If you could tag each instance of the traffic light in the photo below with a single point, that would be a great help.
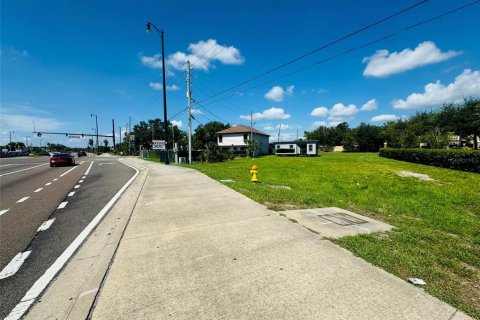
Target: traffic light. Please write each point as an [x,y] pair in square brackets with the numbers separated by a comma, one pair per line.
[39,134]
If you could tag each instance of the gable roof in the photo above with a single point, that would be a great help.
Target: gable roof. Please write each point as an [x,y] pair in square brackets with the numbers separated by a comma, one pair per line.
[242,129]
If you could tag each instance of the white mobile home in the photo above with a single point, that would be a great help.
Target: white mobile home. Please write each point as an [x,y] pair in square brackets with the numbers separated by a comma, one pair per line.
[297,148]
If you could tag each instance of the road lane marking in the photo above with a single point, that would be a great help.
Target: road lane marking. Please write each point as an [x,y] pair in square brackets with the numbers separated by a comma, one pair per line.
[71,194]
[55,179]
[6,174]
[62,205]
[80,181]
[23,199]
[45,279]
[14,265]
[47,224]
[101,164]
[77,186]
[4,211]
[84,177]
[48,183]
[66,172]
[38,190]
[88,170]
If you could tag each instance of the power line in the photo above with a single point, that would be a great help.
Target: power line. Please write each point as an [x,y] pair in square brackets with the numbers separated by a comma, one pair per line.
[319,48]
[350,50]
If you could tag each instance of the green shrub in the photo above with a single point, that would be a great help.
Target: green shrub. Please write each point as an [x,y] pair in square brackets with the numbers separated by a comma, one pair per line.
[465,160]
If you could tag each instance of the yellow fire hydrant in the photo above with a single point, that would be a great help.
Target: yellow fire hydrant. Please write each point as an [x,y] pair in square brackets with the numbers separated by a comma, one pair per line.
[253,172]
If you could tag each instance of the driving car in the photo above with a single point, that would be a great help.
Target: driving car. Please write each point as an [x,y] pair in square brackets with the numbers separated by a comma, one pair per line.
[59,159]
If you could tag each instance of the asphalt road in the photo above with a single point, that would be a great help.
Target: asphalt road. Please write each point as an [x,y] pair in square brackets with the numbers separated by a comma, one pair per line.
[33,194]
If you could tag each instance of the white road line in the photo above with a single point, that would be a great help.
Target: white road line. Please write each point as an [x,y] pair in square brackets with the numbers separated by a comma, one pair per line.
[14,265]
[4,211]
[23,199]
[38,190]
[46,225]
[48,183]
[6,174]
[71,194]
[80,181]
[89,167]
[45,279]
[66,172]
[55,179]
[82,162]
[84,177]
[62,205]
[77,186]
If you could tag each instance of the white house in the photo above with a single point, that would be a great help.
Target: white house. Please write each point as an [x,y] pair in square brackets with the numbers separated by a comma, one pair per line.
[297,148]
[233,139]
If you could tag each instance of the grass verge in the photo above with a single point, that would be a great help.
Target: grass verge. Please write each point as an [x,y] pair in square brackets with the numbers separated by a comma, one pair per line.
[437,235]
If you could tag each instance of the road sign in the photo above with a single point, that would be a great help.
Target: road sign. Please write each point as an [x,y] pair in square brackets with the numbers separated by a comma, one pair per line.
[74,136]
[158,144]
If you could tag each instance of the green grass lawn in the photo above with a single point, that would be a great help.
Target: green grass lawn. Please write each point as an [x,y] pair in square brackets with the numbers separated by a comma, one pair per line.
[437,235]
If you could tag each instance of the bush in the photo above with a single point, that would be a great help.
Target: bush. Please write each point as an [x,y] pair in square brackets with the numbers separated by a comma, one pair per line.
[465,160]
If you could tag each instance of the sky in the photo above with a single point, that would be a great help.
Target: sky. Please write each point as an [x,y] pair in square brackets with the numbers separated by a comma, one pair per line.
[293,65]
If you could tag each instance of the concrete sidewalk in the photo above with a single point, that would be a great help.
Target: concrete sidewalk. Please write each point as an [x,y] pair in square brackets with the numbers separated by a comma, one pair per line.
[195,249]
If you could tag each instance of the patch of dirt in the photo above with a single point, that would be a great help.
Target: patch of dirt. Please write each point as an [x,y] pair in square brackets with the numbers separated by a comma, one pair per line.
[282,206]
[420,176]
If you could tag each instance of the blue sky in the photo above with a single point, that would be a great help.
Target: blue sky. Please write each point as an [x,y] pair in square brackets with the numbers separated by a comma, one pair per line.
[63,60]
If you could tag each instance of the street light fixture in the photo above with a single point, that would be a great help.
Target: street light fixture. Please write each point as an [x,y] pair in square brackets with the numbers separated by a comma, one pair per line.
[148,28]
[96,132]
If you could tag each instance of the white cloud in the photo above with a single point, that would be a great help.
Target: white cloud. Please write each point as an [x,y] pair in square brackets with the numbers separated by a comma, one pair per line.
[277,93]
[268,128]
[369,106]
[383,64]
[177,123]
[154,62]
[384,118]
[340,110]
[20,122]
[271,114]
[196,111]
[159,86]
[319,112]
[466,84]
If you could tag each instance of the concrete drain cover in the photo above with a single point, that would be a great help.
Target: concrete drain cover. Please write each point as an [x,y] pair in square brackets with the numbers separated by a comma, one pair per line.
[342,219]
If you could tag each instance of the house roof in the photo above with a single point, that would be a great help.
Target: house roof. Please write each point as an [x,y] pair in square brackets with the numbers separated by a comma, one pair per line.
[298,142]
[242,129]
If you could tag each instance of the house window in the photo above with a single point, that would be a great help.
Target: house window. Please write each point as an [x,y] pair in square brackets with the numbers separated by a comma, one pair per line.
[310,147]
[291,146]
[245,137]
[277,146]
[220,138]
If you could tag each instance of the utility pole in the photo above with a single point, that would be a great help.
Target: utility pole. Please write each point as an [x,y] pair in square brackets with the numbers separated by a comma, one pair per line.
[129,134]
[120,141]
[113,135]
[11,135]
[189,103]
[279,126]
[251,134]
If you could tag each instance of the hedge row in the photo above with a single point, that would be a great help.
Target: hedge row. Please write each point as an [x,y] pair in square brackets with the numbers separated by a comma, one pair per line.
[465,160]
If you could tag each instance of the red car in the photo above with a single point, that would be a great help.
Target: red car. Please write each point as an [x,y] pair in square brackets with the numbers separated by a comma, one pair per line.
[59,159]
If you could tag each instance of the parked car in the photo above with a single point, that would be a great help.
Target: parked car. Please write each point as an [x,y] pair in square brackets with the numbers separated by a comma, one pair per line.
[81,154]
[59,159]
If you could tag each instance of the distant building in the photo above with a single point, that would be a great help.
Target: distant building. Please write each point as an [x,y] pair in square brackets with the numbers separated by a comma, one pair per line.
[297,148]
[233,139]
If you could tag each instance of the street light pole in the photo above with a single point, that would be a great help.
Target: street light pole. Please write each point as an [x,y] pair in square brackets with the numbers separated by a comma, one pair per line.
[148,29]
[96,131]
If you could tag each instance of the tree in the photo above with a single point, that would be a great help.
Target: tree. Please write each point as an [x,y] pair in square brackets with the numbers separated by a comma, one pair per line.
[105,142]
[368,137]
[252,146]
[207,133]
[90,143]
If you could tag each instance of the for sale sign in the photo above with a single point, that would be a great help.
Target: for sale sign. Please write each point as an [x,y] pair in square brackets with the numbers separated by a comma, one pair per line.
[158,144]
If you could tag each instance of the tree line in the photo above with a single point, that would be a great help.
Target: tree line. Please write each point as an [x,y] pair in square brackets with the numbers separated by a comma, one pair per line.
[430,129]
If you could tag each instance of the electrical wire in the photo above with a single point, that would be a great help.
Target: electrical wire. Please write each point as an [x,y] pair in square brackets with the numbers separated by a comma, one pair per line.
[329,44]
[415,25]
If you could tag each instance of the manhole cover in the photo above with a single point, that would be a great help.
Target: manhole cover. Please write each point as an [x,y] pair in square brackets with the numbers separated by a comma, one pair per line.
[342,219]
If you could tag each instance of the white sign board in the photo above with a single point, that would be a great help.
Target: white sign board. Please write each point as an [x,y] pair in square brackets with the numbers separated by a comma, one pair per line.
[74,136]
[158,144]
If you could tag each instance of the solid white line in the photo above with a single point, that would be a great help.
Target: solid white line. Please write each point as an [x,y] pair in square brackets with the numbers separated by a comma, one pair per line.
[77,186]
[62,205]
[46,225]
[88,170]
[66,172]
[82,162]
[38,190]
[14,265]
[48,183]
[45,279]
[80,181]
[23,199]
[71,193]
[6,174]
[4,211]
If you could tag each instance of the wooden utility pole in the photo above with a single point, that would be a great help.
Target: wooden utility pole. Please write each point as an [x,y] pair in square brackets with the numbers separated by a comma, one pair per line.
[189,104]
